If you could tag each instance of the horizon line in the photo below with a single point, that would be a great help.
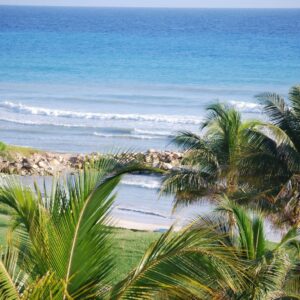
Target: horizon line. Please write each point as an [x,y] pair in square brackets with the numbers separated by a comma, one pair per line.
[154,7]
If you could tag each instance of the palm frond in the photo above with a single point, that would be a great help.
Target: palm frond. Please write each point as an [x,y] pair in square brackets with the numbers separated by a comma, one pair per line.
[291,239]
[193,262]
[292,283]
[281,115]
[188,140]
[244,225]
[294,97]
[47,288]
[275,133]
[270,276]
[12,279]
[191,185]
[67,229]
[22,202]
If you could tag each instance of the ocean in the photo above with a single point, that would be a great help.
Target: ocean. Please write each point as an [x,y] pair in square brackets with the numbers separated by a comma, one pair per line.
[112,79]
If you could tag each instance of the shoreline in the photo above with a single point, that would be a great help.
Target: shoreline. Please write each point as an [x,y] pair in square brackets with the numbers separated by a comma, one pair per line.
[24,161]
[35,163]
[140,226]
[30,163]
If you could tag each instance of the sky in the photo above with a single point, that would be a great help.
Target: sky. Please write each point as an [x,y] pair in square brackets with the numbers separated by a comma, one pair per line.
[162,3]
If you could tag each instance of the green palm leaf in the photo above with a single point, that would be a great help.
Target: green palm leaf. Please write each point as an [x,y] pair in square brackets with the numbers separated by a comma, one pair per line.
[47,288]
[193,263]
[281,115]
[12,280]
[294,97]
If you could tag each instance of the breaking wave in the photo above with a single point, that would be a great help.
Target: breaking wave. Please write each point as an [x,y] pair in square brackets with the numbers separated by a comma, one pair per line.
[247,107]
[41,111]
[147,183]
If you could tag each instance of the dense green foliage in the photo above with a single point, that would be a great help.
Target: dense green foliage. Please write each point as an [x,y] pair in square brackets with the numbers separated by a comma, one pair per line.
[210,165]
[255,162]
[272,160]
[62,247]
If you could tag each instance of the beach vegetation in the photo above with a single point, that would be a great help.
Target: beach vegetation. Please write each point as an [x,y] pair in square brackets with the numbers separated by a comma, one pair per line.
[60,242]
[60,245]
[255,162]
[271,163]
[10,152]
[210,164]
[2,146]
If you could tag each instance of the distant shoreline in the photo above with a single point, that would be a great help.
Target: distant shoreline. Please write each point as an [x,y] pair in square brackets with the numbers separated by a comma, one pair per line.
[32,162]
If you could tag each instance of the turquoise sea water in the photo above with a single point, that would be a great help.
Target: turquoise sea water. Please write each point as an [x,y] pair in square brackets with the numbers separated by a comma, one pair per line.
[87,79]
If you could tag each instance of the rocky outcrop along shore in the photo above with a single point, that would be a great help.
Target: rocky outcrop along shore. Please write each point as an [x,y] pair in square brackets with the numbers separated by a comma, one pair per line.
[50,163]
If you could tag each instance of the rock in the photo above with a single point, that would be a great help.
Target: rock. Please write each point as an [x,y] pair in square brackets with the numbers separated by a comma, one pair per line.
[168,159]
[148,159]
[176,155]
[18,167]
[50,172]
[23,172]
[11,169]
[166,166]
[151,151]
[175,162]
[73,159]
[50,163]
[37,158]
[26,164]
[156,162]
[54,162]
[43,164]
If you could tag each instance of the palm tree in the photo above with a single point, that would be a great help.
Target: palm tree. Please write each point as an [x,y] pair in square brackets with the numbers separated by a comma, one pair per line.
[271,162]
[273,272]
[60,247]
[210,164]
[257,163]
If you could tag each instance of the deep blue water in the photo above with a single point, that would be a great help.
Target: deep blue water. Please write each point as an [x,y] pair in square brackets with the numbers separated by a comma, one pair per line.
[94,79]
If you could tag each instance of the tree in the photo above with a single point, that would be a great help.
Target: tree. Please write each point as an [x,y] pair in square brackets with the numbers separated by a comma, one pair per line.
[273,273]
[210,164]
[271,161]
[257,163]
[60,247]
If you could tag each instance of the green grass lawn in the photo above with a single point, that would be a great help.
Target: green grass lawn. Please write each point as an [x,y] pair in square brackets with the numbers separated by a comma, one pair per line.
[130,246]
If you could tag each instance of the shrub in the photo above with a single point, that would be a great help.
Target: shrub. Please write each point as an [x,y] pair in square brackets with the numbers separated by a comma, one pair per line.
[2,146]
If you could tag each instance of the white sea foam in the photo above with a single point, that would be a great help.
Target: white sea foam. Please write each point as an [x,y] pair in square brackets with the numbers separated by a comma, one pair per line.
[141,182]
[130,133]
[127,136]
[153,132]
[42,122]
[33,110]
[247,107]
[138,134]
